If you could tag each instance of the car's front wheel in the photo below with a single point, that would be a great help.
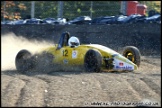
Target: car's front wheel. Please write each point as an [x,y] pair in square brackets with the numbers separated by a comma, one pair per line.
[93,61]
[133,54]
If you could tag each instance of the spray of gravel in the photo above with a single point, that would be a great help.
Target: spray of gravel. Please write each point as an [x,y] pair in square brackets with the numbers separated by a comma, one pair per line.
[11,45]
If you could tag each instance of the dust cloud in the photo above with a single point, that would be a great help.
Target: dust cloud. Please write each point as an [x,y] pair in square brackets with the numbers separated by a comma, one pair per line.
[11,45]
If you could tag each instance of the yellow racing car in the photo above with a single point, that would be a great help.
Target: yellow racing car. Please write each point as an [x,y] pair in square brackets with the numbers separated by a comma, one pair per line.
[70,55]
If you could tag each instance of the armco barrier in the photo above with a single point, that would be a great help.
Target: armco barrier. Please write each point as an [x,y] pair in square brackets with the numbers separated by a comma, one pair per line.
[147,37]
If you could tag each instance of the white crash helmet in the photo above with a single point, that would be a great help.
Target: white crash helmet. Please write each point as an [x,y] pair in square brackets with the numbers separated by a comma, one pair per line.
[73,41]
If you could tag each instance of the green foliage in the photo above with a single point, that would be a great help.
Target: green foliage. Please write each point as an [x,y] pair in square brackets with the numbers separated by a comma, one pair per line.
[46,9]
[152,5]
[72,9]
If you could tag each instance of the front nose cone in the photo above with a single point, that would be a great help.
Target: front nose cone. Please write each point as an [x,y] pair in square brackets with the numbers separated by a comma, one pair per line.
[135,67]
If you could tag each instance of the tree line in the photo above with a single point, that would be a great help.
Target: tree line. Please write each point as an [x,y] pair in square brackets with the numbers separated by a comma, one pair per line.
[71,9]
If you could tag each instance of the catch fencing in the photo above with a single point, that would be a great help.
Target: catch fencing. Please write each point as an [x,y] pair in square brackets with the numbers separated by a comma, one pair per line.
[65,9]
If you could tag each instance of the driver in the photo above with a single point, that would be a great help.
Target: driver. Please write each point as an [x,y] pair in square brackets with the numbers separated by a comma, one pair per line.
[73,41]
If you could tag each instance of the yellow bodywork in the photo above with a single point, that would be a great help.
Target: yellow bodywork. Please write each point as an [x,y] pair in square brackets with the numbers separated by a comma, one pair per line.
[68,56]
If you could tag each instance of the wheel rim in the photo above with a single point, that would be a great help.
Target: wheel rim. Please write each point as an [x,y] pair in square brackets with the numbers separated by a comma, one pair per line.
[130,56]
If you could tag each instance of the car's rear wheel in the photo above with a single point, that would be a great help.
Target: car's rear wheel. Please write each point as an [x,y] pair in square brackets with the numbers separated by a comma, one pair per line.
[93,61]
[133,54]
[24,61]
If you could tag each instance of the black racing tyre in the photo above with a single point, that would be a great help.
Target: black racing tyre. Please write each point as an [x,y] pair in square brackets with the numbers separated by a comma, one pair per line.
[133,54]
[93,61]
[24,61]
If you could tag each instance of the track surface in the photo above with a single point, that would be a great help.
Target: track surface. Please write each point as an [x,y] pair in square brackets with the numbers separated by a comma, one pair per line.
[140,88]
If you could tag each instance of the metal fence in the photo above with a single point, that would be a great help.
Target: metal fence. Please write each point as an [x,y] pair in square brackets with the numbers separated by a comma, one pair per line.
[64,9]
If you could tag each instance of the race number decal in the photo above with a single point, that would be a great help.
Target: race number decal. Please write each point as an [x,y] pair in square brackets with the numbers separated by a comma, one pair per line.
[74,54]
[65,52]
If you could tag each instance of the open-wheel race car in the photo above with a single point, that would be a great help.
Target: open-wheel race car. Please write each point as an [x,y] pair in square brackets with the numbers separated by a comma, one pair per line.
[69,54]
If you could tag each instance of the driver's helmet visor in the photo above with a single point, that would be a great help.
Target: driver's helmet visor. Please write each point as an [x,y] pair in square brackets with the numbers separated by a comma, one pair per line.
[74,43]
